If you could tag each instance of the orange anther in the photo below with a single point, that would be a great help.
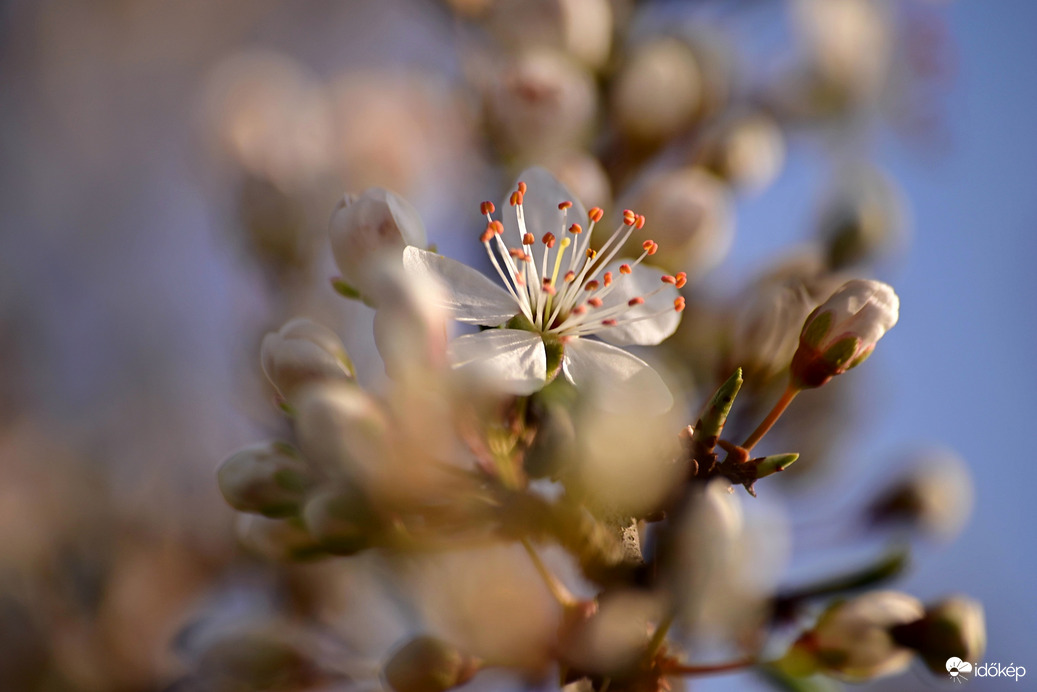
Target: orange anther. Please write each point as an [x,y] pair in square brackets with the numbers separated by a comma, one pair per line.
[636,301]
[487,208]
[498,227]
[591,286]
[549,239]
[625,269]
[565,205]
[678,304]
[682,278]
[667,279]
[579,310]
[607,278]
[594,302]
[609,323]
[576,229]
[522,188]
[629,217]
[528,239]
[591,253]
[487,234]
[569,277]
[640,222]
[595,214]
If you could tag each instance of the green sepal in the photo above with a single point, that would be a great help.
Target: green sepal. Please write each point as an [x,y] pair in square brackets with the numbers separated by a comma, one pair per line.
[711,422]
[816,329]
[841,352]
[774,463]
[345,290]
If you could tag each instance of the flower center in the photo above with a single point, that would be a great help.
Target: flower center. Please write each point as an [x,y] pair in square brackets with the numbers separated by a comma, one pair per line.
[566,294]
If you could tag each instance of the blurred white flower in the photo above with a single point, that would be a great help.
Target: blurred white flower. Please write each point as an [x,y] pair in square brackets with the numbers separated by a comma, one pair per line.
[658,92]
[852,639]
[552,298]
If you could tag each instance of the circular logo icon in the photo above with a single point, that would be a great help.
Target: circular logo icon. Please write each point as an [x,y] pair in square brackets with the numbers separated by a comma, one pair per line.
[957,668]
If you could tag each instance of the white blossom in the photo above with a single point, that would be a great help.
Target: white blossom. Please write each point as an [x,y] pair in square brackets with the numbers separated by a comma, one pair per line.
[556,291]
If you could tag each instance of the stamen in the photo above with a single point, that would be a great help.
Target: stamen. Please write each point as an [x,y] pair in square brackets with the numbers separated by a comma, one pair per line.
[591,286]
[487,234]
[629,217]
[682,278]
[640,221]
[678,303]
[591,253]
[576,229]
[549,240]
[595,214]
[522,188]
[595,302]
[578,310]
[625,269]
[609,322]
[569,276]
[607,278]
[650,246]
[528,239]
[518,254]
[667,279]
[565,205]
[487,208]
[636,301]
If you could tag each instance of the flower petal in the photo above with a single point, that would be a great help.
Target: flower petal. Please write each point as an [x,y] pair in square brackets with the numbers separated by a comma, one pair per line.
[645,332]
[540,208]
[467,295]
[622,381]
[412,228]
[511,359]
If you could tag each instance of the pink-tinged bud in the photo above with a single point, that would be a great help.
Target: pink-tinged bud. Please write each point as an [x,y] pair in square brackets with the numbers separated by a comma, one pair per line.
[427,664]
[303,351]
[854,639]
[368,228]
[842,332]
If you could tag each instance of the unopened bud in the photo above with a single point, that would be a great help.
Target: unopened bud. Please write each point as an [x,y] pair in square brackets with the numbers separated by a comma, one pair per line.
[861,219]
[303,351]
[427,664]
[747,150]
[277,539]
[842,332]
[690,215]
[953,628]
[853,640]
[342,519]
[658,92]
[541,103]
[367,228]
[343,430]
[267,479]
[935,496]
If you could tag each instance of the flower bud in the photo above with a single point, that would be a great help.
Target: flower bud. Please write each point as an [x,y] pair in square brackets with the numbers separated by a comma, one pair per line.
[852,639]
[367,228]
[579,28]
[690,215]
[747,150]
[267,479]
[541,102]
[427,664]
[583,175]
[342,519]
[862,218]
[842,332]
[303,351]
[954,627]
[658,92]
[277,539]
[343,430]
[934,496]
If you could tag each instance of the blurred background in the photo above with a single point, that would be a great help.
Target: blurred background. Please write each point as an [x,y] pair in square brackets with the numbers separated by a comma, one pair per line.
[166,175]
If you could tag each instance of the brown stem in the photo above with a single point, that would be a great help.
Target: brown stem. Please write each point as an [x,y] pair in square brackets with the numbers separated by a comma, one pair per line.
[730,667]
[779,408]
